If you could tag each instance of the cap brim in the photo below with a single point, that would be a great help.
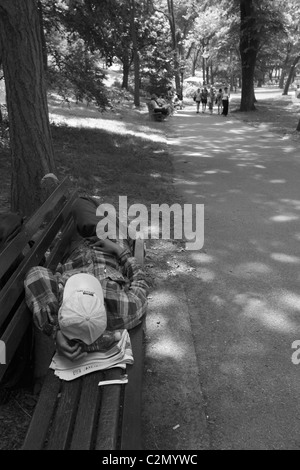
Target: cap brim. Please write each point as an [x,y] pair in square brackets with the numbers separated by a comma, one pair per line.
[83,281]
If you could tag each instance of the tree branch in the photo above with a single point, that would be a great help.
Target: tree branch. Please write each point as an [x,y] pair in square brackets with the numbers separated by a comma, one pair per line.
[163,12]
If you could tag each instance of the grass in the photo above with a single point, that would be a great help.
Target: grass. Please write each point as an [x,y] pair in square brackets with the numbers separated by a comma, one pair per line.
[274,111]
[119,153]
[108,164]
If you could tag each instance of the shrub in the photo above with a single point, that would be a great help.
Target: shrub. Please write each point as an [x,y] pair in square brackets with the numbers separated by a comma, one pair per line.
[76,73]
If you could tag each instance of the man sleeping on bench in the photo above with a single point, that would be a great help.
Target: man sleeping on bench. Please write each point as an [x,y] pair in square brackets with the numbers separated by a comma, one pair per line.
[99,288]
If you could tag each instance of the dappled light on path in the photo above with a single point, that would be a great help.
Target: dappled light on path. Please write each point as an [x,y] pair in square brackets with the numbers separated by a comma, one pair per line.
[244,289]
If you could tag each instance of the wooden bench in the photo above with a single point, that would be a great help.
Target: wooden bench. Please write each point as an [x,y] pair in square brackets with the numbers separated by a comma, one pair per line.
[68,415]
[157,115]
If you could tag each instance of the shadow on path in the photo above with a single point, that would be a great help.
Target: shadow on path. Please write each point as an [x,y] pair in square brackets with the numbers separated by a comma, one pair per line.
[244,295]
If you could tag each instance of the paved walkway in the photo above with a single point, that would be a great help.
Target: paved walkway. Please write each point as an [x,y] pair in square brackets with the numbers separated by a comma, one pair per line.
[244,292]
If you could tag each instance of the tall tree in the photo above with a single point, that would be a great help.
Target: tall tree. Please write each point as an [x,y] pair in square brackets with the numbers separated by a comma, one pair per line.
[291,74]
[135,56]
[260,22]
[249,43]
[292,41]
[29,128]
[174,35]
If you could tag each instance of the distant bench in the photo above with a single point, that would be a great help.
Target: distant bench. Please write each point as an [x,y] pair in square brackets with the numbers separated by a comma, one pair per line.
[155,115]
[68,415]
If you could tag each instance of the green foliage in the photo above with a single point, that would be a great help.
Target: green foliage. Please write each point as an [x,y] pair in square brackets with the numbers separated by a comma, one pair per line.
[157,64]
[74,71]
[105,28]
[117,95]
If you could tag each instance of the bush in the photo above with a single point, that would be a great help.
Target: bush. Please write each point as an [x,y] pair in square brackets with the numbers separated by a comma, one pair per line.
[189,90]
[76,74]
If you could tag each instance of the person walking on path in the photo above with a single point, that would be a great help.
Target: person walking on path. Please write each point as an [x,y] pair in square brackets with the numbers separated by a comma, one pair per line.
[219,100]
[204,95]
[197,99]
[225,101]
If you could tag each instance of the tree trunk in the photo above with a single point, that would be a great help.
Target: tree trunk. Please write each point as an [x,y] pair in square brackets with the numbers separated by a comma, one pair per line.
[177,81]
[194,62]
[249,42]
[126,63]
[125,79]
[290,76]
[29,128]
[44,45]
[298,127]
[281,80]
[136,60]
[174,44]
[284,67]
[232,82]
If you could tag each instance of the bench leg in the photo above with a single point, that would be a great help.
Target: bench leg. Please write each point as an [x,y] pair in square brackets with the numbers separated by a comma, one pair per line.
[44,349]
[158,117]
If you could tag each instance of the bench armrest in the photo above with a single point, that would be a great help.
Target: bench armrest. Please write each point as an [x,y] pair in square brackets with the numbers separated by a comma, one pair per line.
[139,251]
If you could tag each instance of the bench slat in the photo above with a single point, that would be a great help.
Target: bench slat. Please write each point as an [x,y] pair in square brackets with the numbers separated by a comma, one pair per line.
[108,422]
[139,251]
[14,333]
[87,414]
[41,213]
[15,285]
[43,413]
[65,414]
[131,425]
[156,116]
[60,247]
[18,244]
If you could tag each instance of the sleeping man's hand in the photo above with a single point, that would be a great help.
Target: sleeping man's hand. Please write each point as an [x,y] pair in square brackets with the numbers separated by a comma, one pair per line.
[72,352]
[108,247]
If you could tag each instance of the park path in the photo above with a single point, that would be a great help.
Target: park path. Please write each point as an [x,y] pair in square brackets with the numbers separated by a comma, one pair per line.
[243,292]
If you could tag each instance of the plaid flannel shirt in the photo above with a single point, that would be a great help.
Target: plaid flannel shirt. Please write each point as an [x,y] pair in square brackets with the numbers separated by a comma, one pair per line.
[123,281]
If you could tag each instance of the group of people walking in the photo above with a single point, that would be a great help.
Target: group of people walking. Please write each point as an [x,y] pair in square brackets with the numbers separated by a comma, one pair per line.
[207,98]
[211,97]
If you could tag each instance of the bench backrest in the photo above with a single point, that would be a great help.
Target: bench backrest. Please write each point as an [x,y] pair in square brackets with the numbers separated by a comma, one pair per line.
[150,106]
[51,225]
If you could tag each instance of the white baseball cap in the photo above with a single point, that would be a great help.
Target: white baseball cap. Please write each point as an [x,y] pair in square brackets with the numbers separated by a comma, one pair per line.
[82,315]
